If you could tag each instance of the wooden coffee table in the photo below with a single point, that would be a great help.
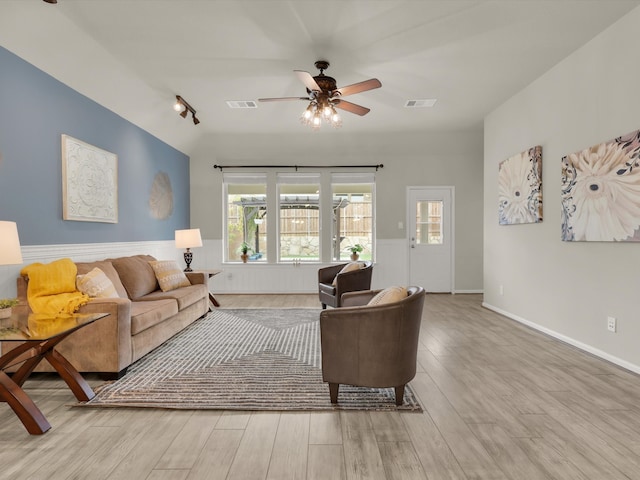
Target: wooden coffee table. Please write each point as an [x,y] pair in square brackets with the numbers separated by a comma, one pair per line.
[38,335]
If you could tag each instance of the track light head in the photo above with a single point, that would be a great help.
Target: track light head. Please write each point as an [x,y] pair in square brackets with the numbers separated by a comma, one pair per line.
[182,103]
[51,1]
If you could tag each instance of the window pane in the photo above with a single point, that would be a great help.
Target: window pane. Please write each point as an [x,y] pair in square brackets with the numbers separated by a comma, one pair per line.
[299,222]
[247,221]
[429,222]
[352,220]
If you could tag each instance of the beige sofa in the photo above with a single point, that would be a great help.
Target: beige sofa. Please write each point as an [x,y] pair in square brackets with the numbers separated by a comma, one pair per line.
[142,318]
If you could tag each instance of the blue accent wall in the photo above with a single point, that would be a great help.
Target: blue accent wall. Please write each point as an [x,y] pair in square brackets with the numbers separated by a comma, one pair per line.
[35,110]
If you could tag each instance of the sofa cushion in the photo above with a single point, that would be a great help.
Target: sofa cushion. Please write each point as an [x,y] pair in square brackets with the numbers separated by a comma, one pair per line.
[389,295]
[96,284]
[185,296]
[136,275]
[169,275]
[109,271]
[147,314]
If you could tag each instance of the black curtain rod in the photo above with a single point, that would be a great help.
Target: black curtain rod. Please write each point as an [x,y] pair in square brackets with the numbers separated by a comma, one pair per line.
[378,166]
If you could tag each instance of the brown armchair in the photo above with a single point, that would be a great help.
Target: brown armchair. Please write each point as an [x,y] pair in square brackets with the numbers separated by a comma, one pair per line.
[345,282]
[371,346]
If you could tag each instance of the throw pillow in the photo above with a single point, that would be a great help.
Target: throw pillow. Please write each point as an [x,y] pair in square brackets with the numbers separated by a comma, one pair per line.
[109,271]
[136,275]
[96,284]
[349,267]
[169,275]
[389,295]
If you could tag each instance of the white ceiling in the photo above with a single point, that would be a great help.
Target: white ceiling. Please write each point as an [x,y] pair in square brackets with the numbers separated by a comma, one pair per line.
[134,56]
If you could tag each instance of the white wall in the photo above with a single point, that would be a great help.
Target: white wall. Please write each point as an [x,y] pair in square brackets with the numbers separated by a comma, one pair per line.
[567,288]
[417,159]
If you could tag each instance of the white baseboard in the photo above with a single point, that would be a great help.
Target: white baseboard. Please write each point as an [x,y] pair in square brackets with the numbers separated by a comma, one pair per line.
[552,333]
[462,292]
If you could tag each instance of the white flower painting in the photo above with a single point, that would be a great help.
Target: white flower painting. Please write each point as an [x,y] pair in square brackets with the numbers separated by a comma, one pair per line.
[520,188]
[601,192]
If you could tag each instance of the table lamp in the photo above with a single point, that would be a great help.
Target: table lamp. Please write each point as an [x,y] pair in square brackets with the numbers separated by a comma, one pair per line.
[189,238]
[10,253]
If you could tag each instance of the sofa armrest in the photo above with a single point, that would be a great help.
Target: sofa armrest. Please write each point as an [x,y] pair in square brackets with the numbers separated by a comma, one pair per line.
[112,334]
[357,299]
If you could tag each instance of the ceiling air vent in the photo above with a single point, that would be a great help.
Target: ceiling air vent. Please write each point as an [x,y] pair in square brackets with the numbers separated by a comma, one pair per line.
[242,104]
[427,102]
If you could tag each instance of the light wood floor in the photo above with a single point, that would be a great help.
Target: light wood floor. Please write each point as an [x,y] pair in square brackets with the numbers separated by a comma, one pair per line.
[501,402]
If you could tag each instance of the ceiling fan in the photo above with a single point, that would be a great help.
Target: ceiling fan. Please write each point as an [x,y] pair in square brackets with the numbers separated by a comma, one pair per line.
[324,96]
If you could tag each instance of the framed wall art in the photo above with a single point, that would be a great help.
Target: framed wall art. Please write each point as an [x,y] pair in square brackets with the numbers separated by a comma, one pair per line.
[89,182]
[520,188]
[601,192]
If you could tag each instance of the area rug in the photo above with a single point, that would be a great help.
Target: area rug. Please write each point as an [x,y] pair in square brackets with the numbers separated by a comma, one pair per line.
[242,360]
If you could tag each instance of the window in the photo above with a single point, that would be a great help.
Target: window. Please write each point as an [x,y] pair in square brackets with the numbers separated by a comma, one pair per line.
[352,222]
[299,212]
[246,216]
[315,217]
[429,222]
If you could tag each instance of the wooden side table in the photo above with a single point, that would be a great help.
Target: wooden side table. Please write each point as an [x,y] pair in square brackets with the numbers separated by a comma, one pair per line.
[38,335]
[211,273]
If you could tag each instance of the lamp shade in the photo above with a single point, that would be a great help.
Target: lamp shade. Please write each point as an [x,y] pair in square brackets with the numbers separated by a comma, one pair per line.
[10,253]
[188,238]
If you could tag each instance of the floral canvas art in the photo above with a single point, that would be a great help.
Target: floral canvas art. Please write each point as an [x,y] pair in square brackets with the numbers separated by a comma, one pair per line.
[520,188]
[601,192]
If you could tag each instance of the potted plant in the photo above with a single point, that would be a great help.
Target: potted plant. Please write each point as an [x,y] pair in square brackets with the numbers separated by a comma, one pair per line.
[244,252]
[355,250]
[5,306]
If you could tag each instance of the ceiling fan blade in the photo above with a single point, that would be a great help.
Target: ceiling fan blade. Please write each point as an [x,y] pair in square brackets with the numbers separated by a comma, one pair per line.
[283,99]
[360,87]
[308,80]
[350,107]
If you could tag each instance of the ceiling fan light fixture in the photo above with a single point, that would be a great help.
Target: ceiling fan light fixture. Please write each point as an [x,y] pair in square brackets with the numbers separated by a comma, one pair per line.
[308,113]
[317,111]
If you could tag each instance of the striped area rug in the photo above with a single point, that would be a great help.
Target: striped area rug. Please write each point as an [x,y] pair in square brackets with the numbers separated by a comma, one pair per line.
[242,360]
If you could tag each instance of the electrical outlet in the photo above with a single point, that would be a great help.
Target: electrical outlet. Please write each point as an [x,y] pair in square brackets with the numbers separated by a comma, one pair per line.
[501,289]
[611,324]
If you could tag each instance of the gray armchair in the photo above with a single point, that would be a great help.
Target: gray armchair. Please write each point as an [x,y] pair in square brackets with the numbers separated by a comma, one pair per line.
[371,346]
[345,282]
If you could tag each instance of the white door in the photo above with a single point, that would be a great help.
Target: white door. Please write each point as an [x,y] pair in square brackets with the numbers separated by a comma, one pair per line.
[430,230]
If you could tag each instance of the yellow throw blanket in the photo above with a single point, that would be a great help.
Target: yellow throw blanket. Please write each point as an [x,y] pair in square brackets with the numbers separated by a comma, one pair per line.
[52,287]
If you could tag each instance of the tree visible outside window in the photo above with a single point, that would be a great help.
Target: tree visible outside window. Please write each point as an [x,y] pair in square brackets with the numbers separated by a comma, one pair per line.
[246,220]
[352,216]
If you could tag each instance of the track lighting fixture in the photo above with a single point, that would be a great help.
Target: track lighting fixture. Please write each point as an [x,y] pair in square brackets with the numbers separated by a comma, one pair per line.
[181,104]
[51,1]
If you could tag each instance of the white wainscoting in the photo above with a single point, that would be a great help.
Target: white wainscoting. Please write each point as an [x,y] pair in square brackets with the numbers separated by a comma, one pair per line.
[389,269]
[85,252]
